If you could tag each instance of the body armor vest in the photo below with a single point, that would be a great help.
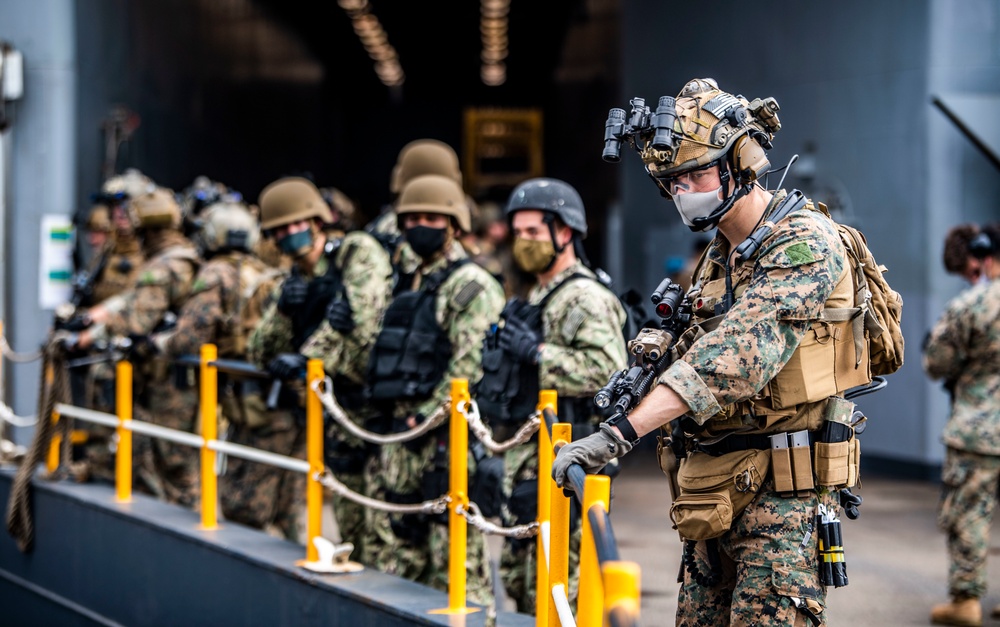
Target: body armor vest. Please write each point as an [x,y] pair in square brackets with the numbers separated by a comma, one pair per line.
[823,365]
[508,391]
[412,351]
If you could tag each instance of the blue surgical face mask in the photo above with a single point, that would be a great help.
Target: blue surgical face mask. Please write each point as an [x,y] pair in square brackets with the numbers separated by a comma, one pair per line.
[297,244]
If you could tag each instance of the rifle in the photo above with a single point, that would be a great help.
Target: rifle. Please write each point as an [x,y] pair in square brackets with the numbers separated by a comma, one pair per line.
[650,353]
[83,284]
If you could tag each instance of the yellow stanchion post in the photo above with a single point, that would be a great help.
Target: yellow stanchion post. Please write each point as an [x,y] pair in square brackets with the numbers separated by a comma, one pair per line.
[123,454]
[547,399]
[562,432]
[621,587]
[458,490]
[209,432]
[55,443]
[314,454]
[590,596]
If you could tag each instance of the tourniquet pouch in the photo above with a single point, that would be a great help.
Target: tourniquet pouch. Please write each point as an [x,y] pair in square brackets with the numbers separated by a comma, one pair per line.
[823,365]
[837,464]
[716,490]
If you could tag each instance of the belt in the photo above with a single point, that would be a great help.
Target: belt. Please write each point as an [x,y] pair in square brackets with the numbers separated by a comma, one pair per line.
[741,442]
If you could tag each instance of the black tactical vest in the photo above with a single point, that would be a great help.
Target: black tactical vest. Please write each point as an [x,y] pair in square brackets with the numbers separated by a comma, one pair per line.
[321,290]
[412,351]
[508,391]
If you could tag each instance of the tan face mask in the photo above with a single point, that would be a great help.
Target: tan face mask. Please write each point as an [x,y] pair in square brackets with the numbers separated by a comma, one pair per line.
[534,256]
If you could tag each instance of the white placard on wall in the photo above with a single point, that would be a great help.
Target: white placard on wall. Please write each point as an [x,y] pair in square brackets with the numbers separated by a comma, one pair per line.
[55,281]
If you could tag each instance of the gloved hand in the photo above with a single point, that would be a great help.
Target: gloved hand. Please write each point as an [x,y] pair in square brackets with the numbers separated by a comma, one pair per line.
[293,292]
[288,365]
[592,452]
[66,340]
[77,323]
[520,340]
[340,316]
[140,348]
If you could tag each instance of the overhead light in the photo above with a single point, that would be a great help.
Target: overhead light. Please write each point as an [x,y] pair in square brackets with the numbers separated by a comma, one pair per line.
[369,30]
[493,30]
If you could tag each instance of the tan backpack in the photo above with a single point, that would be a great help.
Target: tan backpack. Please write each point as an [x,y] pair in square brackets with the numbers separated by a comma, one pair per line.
[881,305]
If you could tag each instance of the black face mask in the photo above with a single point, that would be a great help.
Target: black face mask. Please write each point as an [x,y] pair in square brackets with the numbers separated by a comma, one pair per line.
[426,241]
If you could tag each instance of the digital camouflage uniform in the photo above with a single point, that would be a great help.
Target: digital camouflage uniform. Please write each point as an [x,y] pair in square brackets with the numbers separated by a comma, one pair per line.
[963,349]
[769,556]
[168,470]
[400,468]
[124,258]
[582,344]
[228,297]
[367,279]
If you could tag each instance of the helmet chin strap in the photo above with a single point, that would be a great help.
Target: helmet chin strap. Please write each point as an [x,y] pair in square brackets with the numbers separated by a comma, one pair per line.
[710,221]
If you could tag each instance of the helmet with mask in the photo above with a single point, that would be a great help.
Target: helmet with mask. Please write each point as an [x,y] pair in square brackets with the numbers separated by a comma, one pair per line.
[424,156]
[156,209]
[432,193]
[98,219]
[287,201]
[711,128]
[226,226]
[551,196]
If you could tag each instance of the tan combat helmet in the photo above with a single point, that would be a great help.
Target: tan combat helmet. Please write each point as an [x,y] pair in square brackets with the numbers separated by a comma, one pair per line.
[156,209]
[711,124]
[225,226]
[433,193]
[99,219]
[292,199]
[344,210]
[424,156]
[130,184]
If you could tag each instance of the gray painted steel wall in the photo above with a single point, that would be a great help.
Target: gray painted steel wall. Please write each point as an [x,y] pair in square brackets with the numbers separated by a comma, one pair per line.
[855,79]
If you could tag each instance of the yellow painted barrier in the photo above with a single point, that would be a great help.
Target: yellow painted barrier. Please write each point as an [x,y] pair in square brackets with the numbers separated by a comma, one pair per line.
[590,597]
[547,399]
[621,588]
[314,454]
[209,432]
[123,454]
[562,433]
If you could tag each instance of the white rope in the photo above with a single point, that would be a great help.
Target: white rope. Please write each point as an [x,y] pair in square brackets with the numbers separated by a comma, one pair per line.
[7,415]
[15,356]
[334,409]
[433,506]
[476,519]
[471,412]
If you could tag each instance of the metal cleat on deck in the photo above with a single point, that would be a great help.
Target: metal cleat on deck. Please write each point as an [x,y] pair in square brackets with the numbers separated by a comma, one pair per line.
[333,558]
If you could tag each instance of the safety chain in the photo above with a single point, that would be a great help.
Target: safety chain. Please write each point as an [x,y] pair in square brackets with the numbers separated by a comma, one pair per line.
[330,404]
[15,356]
[433,506]
[471,412]
[476,519]
[7,415]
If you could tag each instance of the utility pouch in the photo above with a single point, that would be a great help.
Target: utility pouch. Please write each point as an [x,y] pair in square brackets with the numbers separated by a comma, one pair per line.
[716,490]
[791,464]
[837,453]
[486,487]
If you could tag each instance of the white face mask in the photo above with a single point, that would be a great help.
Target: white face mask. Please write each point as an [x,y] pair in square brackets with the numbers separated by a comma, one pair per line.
[697,205]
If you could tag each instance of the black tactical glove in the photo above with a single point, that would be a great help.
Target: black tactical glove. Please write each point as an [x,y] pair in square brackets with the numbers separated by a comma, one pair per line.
[592,452]
[340,316]
[520,340]
[293,293]
[76,324]
[140,348]
[68,341]
[288,365]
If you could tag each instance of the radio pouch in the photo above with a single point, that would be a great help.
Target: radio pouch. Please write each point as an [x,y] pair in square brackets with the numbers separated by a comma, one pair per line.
[714,491]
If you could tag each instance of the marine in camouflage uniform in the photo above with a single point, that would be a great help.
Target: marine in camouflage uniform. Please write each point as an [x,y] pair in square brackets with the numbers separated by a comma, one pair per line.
[723,385]
[963,349]
[570,341]
[165,394]
[340,332]
[227,300]
[454,302]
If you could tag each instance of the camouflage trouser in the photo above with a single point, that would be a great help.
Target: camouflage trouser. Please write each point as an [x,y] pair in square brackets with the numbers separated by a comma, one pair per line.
[415,546]
[167,470]
[349,459]
[517,558]
[350,515]
[769,561]
[262,496]
[968,500]
[94,388]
